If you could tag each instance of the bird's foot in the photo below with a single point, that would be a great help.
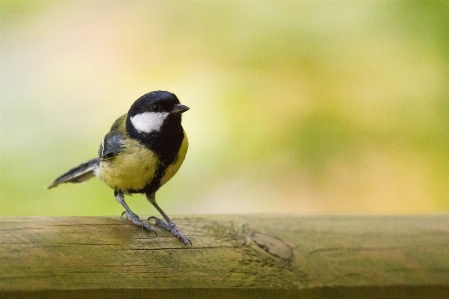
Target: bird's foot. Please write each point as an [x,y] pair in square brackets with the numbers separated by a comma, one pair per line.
[171,227]
[135,219]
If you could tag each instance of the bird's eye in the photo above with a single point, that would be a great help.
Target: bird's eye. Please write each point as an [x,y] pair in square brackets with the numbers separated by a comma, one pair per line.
[155,108]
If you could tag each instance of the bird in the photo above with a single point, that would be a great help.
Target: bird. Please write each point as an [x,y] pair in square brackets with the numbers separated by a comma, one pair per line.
[142,151]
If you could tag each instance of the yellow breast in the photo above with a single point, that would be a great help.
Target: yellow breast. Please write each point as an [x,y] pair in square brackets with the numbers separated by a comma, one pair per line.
[131,169]
[135,167]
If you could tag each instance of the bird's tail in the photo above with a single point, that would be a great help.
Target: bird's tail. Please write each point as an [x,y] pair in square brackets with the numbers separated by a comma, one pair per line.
[79,174]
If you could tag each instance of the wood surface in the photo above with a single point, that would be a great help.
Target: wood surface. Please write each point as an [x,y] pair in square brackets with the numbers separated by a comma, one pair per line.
[233,256]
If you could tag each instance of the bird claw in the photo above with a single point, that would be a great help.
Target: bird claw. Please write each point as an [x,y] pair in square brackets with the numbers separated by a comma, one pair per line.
[161,223]
[135,219]
[171,227]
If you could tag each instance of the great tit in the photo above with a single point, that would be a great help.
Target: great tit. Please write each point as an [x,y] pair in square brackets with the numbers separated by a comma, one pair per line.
[142,151]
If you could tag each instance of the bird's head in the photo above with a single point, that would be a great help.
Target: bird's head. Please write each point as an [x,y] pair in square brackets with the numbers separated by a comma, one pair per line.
[149,113]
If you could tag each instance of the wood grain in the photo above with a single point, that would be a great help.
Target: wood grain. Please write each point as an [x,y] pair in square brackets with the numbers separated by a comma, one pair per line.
[239,256]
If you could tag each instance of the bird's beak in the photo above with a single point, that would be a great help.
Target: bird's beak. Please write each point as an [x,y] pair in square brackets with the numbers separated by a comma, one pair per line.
[179,108]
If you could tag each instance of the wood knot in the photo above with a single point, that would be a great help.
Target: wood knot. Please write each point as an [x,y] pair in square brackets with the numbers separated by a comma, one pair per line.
[273,246]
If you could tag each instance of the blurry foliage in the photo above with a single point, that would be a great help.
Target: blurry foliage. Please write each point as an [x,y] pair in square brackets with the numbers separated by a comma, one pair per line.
[315,106]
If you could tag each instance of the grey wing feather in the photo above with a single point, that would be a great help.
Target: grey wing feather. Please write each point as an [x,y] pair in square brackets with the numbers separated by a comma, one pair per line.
[78,174]
[111,146]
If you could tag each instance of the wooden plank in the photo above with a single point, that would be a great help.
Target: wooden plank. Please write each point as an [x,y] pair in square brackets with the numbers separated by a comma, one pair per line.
[239,256]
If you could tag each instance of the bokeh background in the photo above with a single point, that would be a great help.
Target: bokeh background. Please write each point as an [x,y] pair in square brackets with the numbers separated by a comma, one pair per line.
[296,107]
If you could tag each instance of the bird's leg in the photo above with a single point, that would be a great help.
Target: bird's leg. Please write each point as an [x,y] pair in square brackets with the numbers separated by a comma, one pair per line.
[130,215]
[169,226]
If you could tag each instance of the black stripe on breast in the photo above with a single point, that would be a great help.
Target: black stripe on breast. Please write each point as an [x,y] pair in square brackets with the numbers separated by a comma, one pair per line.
[165,143]
[155,183]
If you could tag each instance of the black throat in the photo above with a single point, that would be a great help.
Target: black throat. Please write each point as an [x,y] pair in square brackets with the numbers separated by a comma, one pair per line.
[165,143]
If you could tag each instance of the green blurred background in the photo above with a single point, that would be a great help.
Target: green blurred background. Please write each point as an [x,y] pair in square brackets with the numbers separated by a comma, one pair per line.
[296,107]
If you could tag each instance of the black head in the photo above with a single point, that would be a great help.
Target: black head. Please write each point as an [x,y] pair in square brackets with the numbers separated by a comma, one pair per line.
[157,102]
[149,113]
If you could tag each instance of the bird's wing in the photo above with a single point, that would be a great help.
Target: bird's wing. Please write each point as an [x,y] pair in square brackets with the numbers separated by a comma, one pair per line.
[111,146]
[112,143]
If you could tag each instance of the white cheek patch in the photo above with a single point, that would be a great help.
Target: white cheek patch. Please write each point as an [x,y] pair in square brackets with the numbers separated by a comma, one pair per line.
[149,121]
